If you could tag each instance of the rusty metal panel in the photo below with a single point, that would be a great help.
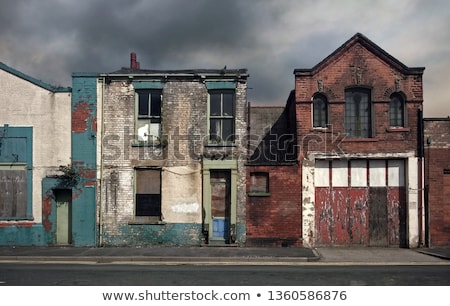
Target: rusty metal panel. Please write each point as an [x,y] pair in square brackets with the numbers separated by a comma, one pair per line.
[13,193]
[396,209]
[341,216]
[378,216]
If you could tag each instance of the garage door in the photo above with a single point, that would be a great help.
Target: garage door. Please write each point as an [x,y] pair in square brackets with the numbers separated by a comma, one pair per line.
[360,202]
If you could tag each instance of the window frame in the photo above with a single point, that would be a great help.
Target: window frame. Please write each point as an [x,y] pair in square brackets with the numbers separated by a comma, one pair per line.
[140,196]
[354,117]
[323,117]
[400,117]
[151,118]
[221,117]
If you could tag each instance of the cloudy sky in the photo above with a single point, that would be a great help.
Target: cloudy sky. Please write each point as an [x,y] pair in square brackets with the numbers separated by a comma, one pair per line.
[50,39]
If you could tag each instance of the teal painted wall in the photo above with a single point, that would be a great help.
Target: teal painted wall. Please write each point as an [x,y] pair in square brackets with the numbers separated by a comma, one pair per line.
[17,146]
[84,153]
[182,234]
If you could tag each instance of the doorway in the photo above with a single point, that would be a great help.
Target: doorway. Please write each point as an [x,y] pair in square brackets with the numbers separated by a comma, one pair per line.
[63,216]
[220,181]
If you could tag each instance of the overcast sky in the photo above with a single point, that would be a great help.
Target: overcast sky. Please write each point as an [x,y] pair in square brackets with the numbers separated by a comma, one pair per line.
[50,39]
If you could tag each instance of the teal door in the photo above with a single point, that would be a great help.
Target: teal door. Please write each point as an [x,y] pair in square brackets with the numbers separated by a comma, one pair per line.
[63,216]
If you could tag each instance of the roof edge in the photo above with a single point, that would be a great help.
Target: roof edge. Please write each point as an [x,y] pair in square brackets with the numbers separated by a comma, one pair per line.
[34,81]
[371,46]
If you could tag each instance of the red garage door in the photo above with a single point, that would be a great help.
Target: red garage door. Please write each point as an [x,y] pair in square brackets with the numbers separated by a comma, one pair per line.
[360,202]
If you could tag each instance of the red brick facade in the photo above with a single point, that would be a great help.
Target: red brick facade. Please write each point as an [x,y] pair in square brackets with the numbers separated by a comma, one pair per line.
[275,219]
[437,180]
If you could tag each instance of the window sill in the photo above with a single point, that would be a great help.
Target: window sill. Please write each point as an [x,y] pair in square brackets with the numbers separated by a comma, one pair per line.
[258,194]
[146,144]
[321,129]
[397,129]
[215,145]
[347,139]
[146,222]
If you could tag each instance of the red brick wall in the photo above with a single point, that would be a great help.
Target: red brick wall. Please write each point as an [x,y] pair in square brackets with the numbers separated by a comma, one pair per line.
[437,165]
[357,66]
[276,220]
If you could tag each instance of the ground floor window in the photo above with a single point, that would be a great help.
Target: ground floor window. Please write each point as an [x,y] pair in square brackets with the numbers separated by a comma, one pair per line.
[148,192]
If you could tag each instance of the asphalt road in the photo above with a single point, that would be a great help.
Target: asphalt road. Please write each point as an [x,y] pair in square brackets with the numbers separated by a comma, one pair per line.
[27,274]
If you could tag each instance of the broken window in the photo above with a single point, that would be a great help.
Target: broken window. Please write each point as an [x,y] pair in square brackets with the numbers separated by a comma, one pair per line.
[148,192]
[358,112]
[148,116]
[221,117]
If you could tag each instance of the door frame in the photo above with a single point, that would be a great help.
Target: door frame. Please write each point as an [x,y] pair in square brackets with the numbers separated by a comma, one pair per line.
[220,165]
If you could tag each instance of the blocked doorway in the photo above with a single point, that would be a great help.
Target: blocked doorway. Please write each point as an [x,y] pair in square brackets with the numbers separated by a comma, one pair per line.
[63,199]
[220,181]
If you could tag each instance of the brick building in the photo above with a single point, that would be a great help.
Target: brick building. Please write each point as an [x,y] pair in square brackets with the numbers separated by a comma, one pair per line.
[171,159]
[437,180]
[358,130]
[274,207]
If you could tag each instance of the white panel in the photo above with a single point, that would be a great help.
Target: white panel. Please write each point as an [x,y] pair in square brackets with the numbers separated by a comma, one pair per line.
[396,173]
[339,175]
[377,173]
[358,175]
[321,174]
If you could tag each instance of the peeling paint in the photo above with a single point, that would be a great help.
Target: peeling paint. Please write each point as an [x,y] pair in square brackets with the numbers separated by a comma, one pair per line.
[46,212]
[82,111]
[186,208]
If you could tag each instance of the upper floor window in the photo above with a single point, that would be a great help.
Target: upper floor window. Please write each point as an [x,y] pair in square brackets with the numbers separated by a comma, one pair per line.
[358,113]
[397,111]
[148,116]
[221,116]
[320,111]
[259,183]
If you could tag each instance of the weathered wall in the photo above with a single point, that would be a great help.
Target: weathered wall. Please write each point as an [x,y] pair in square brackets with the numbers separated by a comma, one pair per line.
[358,63]
[275,219]
[27,102]
[184,130]
[437,179]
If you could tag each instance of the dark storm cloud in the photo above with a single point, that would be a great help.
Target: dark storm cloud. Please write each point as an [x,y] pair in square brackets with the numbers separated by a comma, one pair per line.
[50,39]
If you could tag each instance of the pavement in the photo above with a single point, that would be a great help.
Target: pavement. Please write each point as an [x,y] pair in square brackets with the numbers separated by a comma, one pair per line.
[227,255]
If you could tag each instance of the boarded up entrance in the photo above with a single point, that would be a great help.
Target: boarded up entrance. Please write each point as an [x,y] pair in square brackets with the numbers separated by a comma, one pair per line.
[360,202]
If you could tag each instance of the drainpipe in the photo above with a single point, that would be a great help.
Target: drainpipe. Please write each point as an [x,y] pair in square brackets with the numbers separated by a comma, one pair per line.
[100,204]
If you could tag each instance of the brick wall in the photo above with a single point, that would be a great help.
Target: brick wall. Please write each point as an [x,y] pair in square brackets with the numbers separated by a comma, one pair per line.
[358,64]
[276,219]
[437,179]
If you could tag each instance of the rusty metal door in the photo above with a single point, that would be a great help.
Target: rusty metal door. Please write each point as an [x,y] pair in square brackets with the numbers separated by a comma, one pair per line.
[220,205]
[378,216]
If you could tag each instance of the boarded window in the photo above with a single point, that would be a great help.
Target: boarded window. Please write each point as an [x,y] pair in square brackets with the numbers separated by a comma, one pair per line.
[13,193]
[259,182]
[148,192]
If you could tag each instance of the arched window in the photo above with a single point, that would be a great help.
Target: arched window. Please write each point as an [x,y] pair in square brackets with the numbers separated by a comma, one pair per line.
[397,111]
[320,111]
[358,113]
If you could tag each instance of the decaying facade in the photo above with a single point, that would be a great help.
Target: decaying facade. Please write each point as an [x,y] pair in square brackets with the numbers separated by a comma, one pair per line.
[358,130]
[34,143]
[171,160]
[437,181]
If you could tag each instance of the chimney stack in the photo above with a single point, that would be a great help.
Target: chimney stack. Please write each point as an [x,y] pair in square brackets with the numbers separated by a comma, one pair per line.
[134,65]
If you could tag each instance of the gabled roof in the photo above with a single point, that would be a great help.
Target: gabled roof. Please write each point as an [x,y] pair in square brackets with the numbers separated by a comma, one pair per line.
[33,80]
[369,45]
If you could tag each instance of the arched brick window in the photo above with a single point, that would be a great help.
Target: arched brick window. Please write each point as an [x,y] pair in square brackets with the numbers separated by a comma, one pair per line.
[320,111]
[397,111]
